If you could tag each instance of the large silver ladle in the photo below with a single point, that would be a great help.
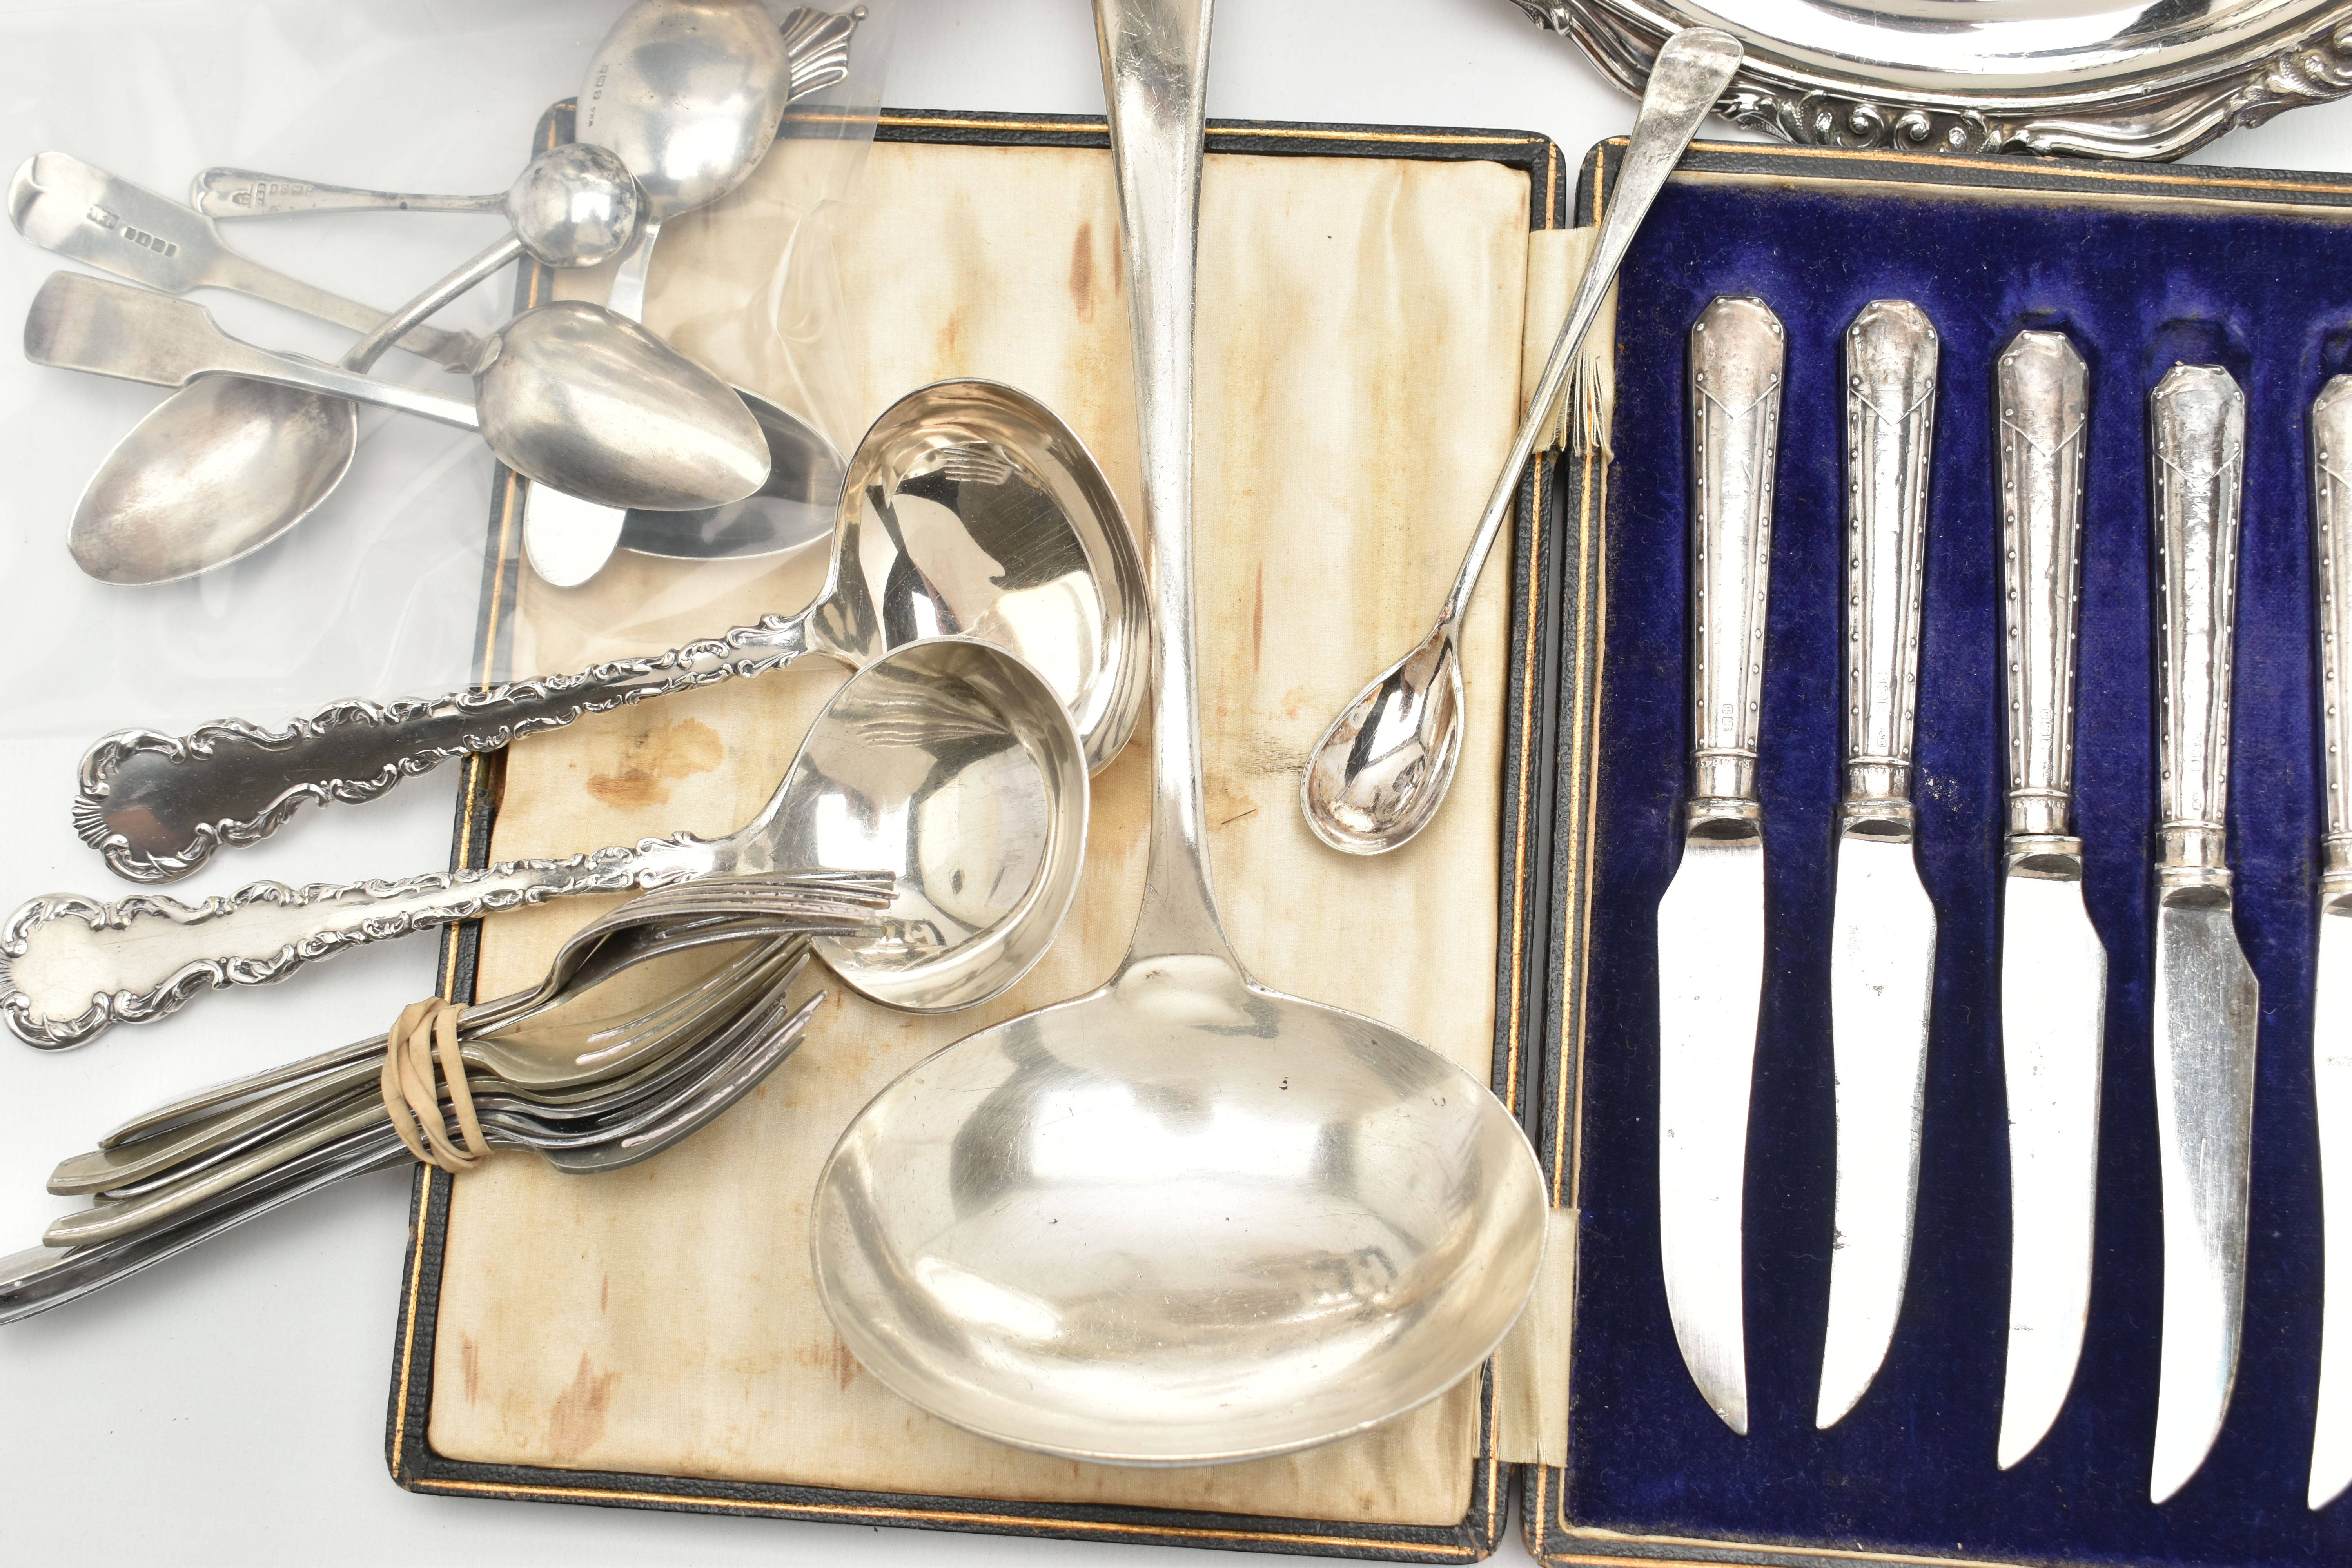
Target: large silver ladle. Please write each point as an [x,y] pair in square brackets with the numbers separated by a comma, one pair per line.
[1382,770]
[1185,1219]
[970,510]
[947,762]
[228,463]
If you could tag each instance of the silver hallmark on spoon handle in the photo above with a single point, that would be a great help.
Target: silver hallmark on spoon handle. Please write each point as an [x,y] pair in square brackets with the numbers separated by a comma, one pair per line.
[2052,967]
[1711,919]
[2207,1003]
[1883,937]
[2331,1031]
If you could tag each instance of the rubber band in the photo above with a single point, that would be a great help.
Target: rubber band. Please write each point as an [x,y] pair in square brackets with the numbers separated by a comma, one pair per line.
[412,1088]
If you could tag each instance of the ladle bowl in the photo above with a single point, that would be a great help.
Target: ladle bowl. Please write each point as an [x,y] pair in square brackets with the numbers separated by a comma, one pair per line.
[1182,1220]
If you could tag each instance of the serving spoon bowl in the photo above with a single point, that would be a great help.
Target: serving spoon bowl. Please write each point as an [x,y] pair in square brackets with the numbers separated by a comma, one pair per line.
[1186,1218]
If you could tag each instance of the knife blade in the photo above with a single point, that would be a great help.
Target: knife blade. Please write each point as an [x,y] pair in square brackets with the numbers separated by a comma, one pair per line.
[2053,971]
[1883,937]
[2331,1022]
[1711,920]
[2206,1003]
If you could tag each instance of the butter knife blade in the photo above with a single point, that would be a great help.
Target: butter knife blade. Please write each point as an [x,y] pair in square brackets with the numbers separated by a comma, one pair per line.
[2331,1022]
[2206,1003]
[2054,970]
[1883,939]
[1711,921]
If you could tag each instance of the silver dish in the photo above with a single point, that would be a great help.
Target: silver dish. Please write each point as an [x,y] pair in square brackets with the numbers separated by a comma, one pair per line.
[2116,78]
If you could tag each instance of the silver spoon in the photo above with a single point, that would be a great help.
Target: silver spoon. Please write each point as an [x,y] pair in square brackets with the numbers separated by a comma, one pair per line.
[947,762]
[225,465]
[81,211]
[970,509]
[690,93]
[1382,770]
[1185,1219]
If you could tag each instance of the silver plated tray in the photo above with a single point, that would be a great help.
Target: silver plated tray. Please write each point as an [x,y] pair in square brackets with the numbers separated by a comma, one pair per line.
[2117,79]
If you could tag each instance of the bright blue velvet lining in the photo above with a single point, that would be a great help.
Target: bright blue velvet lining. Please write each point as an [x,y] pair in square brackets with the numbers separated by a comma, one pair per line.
[1913,1467]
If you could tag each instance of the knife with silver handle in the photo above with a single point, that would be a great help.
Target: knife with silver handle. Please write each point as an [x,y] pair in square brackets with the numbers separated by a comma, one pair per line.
[2331,1020]
[2054,971]
[2206,1003]
[1883,938]
[1711,921]
[85,213]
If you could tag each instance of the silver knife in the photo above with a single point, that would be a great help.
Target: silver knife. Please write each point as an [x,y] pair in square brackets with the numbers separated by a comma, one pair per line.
[2053,973]
[2331,1017]
[1882,936]
[2206,1003]
[1711,921]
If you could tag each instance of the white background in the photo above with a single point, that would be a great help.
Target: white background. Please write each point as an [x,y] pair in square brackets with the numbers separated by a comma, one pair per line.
[229,1406]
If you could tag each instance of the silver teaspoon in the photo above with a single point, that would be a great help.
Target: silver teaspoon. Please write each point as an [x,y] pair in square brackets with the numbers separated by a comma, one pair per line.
[947,762]
[225,464]
[970,509]
[1185,1219]
[1382,770]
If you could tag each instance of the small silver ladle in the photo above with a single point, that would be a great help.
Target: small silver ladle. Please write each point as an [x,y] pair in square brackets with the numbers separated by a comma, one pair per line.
[970,510]
[1382,770]
[1185,1219]
[947,762]
[226,464]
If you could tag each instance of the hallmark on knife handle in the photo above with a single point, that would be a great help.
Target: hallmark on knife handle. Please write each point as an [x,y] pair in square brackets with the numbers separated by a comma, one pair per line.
[1739,352]
[1891,352]
[2041,391]
[2331,509]
[2197,438]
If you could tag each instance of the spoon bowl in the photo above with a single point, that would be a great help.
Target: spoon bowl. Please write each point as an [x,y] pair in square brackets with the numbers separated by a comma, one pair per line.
[1382,770]
[1182,1220]
[689,92]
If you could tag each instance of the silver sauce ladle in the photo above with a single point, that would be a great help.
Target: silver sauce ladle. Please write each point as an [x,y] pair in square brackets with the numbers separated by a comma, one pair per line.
[947,762]
[1185,1219]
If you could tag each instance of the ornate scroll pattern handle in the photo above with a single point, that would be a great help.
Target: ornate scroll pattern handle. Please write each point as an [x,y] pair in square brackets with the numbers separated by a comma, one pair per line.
[1891,354]
[1738,354]
[2196,438]
[71,967]
[2331,509]
[2042,399]
[157,805]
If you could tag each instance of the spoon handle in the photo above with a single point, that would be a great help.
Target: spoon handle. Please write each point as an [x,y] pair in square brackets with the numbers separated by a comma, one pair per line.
[1692,71]
[74,966]
[248,193]
[158,806]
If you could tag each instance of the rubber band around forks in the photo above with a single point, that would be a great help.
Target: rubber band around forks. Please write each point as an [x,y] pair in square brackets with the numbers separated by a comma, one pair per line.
[411,1097]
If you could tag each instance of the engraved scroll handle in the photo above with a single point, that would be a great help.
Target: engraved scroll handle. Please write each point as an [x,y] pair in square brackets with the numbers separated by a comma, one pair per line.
[1891,354]
[2197,430]
[74,967]
[157,806]
[248,193]
[2331,499]
[1739,352]
[2041,391]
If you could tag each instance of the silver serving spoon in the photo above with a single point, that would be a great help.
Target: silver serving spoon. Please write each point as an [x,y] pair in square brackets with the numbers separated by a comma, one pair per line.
[970,510]
[690,93]
[226,464]
[1186,1218]
[1382,770]
[947,762]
